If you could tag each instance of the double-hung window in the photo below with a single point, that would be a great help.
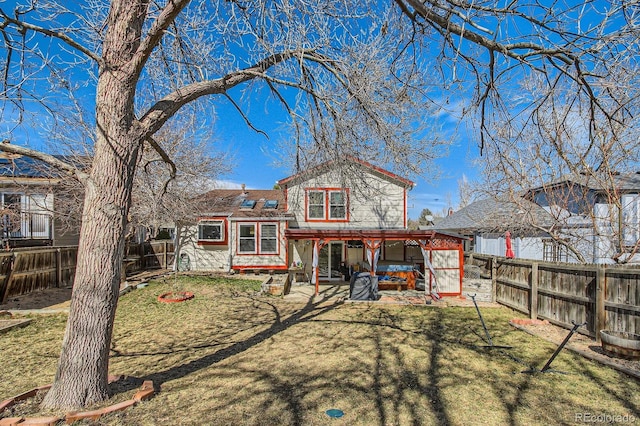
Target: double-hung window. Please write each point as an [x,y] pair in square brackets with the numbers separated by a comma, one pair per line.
[337,205]
[327,204]
[258,238]
[247,238]
[315,207]
[268,238]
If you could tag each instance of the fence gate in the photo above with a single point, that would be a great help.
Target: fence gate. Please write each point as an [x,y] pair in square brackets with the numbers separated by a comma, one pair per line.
[447,267]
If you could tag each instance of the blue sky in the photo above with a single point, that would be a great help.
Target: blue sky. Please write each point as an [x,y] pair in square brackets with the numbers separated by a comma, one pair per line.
[254,156]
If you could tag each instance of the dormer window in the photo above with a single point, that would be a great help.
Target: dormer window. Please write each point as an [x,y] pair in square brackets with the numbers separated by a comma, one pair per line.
[248,204]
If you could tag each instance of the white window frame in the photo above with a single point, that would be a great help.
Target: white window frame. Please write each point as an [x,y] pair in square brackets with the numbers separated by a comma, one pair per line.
[323,195]
[343,205]
[247,238]
[273,238]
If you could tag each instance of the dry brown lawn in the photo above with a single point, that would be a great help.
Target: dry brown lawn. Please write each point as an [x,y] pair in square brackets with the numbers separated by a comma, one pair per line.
[233,357]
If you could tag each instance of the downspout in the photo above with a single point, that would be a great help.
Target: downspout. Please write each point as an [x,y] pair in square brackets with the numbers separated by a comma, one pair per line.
[230,245]
[314,264]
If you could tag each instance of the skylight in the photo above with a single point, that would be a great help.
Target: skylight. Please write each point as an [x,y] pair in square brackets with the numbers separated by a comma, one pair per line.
[248,204]
[271,204]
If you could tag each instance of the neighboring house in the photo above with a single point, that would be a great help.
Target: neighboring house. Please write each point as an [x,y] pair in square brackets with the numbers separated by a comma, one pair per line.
[600,217]
[323,227]
[27,188]
[601,222]
[485,223]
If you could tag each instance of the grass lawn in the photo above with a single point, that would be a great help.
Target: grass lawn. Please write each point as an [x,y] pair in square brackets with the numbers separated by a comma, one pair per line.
[231,357]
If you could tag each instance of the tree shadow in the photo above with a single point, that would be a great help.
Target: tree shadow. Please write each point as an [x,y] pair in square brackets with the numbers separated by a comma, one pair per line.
[309,311]
[383,372]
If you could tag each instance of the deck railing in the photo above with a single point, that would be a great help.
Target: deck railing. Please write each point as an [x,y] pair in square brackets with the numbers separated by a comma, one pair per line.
[26,225]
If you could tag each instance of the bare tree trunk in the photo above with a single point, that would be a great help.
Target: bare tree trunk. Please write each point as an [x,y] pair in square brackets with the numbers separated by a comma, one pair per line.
[81,378]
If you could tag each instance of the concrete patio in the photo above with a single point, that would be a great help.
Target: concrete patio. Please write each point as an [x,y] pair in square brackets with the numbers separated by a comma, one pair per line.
[339,292]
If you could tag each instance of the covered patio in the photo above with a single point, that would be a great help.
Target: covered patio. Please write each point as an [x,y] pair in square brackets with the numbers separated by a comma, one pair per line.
[440,260]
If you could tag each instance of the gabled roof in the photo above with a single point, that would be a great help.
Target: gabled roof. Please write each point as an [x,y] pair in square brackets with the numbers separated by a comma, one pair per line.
[626,182]
[324,167]
[229,202]
[491,215]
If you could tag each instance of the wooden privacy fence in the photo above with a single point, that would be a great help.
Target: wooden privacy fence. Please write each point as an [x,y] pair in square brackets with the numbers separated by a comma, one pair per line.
[26,270]
[22,272]
[606,297]
[149,255]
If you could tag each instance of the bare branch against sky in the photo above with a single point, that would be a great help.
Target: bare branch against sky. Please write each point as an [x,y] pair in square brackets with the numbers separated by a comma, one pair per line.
[356,79]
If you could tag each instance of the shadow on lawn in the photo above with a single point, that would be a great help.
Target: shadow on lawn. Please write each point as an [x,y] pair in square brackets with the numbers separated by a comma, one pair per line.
[294,393]
[393,382]
[309,311]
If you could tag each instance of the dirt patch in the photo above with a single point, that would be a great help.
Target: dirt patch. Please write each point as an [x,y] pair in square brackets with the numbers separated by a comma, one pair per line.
[580,343]
[42,299]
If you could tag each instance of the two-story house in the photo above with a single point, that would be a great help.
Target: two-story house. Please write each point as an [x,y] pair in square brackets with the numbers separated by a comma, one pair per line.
[597,215]
[576,219]
[325,226]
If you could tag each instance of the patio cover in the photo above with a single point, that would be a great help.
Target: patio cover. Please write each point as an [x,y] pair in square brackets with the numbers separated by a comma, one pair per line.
[373,239]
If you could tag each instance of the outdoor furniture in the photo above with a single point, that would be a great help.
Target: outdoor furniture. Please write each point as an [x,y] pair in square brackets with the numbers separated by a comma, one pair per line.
[396,276]
[297,274]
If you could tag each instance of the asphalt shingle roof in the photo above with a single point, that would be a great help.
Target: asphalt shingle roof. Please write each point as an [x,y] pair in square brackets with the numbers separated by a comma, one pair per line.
[228,201]
[491,215]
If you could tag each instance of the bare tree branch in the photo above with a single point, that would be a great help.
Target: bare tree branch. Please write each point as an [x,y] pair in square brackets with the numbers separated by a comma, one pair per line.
[6,146]
[167,17]
[25,26]
[165,108]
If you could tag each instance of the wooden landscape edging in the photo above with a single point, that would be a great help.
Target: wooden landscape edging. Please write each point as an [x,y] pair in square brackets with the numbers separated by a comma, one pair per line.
[146,391]
[605,297]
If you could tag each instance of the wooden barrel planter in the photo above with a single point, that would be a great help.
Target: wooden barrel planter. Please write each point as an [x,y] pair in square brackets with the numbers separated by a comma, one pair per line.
[621,344]
[175,296]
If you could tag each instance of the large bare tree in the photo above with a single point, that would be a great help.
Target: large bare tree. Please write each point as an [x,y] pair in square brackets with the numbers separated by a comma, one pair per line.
[167,196]
[350,74]
[146,62]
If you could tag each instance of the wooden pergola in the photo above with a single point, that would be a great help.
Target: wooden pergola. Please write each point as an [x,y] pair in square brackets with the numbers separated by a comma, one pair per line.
[373,239]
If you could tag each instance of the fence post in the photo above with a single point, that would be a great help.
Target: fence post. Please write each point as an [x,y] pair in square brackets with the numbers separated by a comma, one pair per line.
[58,268]
[600,314]
[166,255]
[494,279]
[533,292]
[143,260]
[9,278]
